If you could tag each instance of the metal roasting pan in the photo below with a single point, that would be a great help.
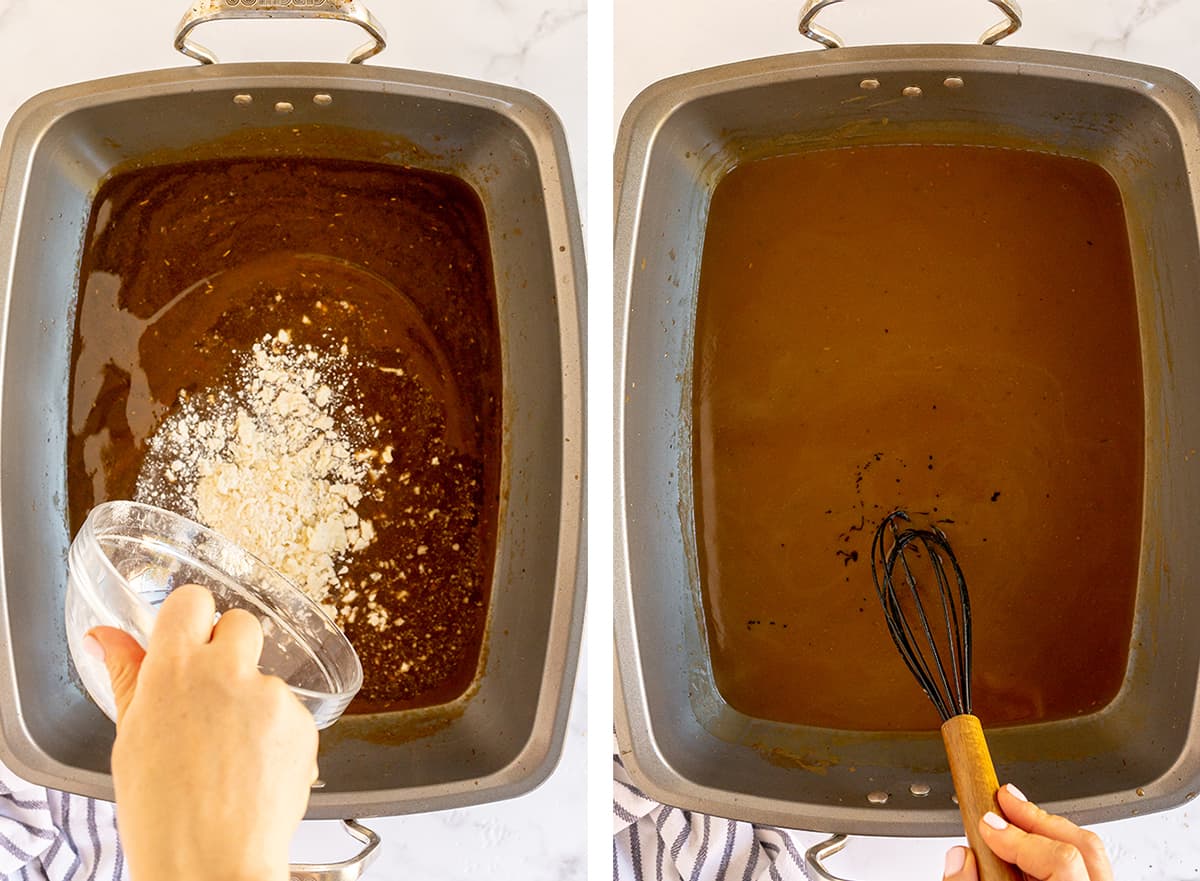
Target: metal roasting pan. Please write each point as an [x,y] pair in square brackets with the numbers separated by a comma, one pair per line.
[679,739]
[506,737]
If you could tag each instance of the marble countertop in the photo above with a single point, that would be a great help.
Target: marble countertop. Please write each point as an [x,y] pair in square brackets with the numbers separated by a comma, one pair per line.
[657,39]
[538,45]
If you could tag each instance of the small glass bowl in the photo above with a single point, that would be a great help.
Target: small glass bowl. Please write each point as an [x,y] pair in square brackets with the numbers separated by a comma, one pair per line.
[128,556]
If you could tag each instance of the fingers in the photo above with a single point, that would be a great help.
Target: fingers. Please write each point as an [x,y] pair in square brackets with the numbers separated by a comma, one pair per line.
[238,635]
[184,619]
[302,736]
[1031,818]
[122,656]
[960,865]
[1039,857]
[1046,847]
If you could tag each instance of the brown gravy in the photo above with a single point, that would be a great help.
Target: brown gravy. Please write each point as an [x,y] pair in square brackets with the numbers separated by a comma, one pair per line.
[953,330]
[184,265]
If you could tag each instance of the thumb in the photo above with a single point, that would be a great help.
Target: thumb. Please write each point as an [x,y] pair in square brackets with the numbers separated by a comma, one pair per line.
[960,865]
[123,657]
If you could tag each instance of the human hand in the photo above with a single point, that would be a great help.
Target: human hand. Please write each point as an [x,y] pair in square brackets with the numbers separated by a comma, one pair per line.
[213,761]
[1044,846]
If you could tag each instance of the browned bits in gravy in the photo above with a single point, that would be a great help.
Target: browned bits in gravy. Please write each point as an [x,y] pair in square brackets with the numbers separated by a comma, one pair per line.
[948,329]
[389,267]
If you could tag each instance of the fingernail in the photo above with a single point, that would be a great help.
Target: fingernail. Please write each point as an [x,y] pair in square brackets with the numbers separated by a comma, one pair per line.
[995,820]
[92,646]
[1015,793]
[956,858]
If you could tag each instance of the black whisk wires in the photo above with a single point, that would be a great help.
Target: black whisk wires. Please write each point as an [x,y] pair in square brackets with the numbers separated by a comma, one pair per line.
[942,665]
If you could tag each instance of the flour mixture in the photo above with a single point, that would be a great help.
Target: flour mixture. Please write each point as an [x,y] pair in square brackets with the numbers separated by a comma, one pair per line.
[304,355]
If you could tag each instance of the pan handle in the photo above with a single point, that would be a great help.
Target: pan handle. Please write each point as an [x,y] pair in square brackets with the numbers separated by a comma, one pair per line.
[814,857]
[203,11]
[830,40]
[347,870]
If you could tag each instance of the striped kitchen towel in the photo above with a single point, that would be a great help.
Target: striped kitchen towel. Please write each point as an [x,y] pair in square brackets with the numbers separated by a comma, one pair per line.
[655,842]
[53,836]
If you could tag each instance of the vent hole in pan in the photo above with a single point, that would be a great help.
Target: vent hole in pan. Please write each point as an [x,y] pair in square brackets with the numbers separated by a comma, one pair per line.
[243,100]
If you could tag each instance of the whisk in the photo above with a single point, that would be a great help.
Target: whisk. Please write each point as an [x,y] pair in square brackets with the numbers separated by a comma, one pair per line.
[929,618]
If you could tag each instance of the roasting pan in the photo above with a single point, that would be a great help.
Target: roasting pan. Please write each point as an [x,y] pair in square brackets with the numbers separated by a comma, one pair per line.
[506,737]
[682,743]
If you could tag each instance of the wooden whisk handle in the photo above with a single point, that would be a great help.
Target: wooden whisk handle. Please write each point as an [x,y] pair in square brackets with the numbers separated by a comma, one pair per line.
[975,784]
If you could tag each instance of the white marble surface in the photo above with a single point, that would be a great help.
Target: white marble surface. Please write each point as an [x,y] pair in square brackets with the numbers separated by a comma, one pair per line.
[538,45]
[658,38]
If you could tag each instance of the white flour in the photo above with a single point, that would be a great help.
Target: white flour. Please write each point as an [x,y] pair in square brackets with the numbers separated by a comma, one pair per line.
[264,461]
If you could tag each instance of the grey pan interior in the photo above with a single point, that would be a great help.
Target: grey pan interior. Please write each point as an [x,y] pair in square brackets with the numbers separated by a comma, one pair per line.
[679,738]
[510,147]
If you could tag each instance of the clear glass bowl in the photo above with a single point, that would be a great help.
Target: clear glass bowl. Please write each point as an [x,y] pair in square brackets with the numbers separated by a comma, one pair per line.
[127,557]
